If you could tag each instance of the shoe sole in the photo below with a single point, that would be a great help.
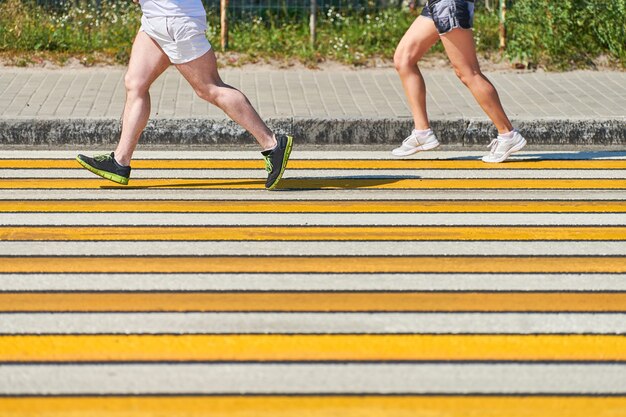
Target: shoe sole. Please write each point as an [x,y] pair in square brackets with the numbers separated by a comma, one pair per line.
[104,174]
[425,147]
[514,149]
[284,165]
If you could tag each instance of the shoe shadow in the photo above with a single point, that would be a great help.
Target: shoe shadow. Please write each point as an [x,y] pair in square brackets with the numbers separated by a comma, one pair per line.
[352,182]
[547,156]
[287,184]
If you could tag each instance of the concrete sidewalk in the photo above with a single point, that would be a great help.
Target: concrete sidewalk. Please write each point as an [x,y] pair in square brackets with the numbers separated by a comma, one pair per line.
[54,108]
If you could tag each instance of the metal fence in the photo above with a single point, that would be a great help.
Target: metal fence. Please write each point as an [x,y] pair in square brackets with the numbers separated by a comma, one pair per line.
[262,5]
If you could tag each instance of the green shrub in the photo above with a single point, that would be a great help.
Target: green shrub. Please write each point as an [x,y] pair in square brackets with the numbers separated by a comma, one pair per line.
[565,33]
[557,34]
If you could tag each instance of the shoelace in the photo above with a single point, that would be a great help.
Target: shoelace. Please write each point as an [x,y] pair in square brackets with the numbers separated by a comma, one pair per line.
[494,146]
[102,158]
[268,164]
[411,136]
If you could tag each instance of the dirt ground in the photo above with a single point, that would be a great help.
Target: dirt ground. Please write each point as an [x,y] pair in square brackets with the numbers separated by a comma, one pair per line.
[229,59]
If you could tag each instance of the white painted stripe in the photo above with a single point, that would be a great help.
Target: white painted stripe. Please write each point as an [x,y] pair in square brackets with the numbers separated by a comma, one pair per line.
[313,282]
[312,378]
[250,152]
[320,323]
[326,174]
[310,219]
[321,248]
[188,194]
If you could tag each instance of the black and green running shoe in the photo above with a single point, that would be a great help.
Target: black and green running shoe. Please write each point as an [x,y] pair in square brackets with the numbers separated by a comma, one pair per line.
[106,166]
[276,160]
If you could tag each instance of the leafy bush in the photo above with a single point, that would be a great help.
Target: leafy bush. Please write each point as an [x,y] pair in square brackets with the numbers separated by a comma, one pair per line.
[566,33]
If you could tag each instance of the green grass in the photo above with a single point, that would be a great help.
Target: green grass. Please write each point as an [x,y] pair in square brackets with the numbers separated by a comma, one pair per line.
[559,35]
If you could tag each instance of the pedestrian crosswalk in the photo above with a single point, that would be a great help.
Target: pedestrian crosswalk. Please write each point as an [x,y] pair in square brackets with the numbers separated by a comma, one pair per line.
[366,286]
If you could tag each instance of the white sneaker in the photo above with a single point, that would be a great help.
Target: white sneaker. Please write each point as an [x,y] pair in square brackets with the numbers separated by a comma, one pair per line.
[414,143]
[501,148]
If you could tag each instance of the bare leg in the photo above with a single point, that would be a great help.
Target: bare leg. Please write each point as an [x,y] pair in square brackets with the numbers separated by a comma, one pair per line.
[420,37]
[147,62]
[459,45]
[202,74]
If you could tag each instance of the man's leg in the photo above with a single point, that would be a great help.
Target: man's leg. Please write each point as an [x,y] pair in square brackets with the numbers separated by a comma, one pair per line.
[459,45]
[202,74]
[147,62]
[420,37]
[203,77]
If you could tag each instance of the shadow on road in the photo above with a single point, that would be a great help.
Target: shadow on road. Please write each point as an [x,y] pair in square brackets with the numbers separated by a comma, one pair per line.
[348,183]
[546,156]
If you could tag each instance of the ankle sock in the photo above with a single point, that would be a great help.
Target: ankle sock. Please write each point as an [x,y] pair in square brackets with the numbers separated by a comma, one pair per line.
[508,135]
[422,133]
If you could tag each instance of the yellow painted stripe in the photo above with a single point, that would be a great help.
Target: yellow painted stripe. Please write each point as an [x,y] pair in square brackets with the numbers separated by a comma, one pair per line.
[314,264]
[335,233]
[315,406]
[326,164]
[305,301]
[312,206]
[318,183]
[104,348]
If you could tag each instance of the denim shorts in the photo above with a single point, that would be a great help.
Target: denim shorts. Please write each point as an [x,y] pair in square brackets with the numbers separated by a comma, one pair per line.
[450,14]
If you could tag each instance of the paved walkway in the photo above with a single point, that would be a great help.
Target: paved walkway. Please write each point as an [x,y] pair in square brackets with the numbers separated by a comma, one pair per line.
[366,286]
[99,93]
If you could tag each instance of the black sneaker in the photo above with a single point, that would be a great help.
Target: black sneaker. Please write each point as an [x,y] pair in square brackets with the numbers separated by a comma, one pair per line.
[276,160]
[106,166]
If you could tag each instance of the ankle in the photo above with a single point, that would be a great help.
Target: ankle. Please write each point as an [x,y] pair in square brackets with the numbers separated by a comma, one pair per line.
[270,144]
[507,135]
[121,160]
[422,133]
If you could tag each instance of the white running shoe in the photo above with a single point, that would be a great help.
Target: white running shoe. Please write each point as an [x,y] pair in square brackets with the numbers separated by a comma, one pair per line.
[501,148]
[414,143]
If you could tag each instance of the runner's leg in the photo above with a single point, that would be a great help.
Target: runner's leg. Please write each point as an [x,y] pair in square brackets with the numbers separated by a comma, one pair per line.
[147,62]
[420,37]
[459,46]
[202,74]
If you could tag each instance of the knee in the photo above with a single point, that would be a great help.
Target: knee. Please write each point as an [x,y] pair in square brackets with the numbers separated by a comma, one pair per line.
[467,75]
[208,92]
[135,85]
[404,60]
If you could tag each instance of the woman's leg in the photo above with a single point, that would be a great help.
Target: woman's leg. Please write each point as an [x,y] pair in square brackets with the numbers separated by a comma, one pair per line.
[420,37]
[459,45]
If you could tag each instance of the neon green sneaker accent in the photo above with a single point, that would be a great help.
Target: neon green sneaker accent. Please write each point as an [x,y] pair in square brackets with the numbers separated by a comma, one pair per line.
[104,174]
[284,164]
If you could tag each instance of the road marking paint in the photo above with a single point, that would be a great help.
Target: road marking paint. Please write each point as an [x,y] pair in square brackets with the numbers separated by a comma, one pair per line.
[298,348]
[314,406]
[314,301]
[326,164]
[312,323]
[319,183]
[312,206]
[312,233]
[317,264]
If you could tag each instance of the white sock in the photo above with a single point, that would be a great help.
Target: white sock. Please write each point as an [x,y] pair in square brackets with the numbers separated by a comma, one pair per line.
[422,133]
[508,135]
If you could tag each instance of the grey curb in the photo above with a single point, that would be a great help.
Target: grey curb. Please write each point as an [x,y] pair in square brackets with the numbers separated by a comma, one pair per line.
[610,132]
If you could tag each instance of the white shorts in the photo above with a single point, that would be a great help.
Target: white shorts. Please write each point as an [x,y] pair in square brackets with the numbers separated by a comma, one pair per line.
[183,39]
